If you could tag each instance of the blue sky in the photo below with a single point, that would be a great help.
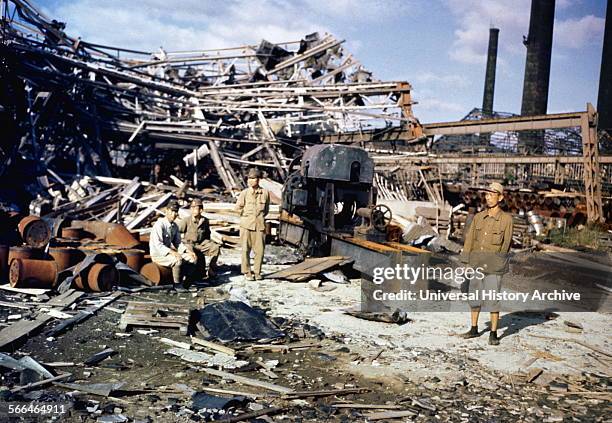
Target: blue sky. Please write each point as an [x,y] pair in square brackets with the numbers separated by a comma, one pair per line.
[438,46]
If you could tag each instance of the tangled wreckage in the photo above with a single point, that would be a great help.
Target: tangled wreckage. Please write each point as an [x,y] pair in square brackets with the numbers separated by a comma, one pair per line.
[98,139]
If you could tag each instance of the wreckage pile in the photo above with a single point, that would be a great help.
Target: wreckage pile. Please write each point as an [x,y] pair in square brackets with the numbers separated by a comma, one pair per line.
[76,107]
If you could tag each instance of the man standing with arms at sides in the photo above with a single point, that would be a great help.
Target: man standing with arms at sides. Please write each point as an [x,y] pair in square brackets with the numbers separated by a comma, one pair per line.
[487,244]
[253,205]
[168,250]
[195,233]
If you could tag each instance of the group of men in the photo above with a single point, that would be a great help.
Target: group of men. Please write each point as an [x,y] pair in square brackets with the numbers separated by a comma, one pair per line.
[183,245]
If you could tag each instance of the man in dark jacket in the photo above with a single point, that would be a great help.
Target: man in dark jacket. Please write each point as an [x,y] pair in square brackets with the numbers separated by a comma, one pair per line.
[195,233]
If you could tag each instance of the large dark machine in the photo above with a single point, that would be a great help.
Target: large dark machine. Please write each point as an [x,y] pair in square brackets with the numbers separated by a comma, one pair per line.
[333,193]
[329,209]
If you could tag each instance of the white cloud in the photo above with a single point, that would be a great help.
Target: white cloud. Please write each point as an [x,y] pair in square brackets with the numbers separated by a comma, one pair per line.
[475,17]
[577,33]
[448,81]
[208,24]
[186,24]
[441,106]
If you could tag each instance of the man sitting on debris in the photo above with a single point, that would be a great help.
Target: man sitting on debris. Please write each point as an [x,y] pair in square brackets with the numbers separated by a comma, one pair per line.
[253,205]
[487,244]
[195,232]
[168,250]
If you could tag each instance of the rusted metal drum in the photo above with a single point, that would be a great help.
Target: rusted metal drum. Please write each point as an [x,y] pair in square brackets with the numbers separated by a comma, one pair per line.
[72,233]
[24,252]
[120,236]
[134,258]
[66,257]
[4,263]
[99,277]
[158,275]
[28,273]
[34,231]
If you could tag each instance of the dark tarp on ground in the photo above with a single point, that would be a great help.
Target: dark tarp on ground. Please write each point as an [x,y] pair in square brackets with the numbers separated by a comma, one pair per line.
[234,320]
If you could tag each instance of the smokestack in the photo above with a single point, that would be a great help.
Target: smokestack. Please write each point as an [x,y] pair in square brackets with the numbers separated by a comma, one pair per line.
[537,66]
[489,86]
[604,98]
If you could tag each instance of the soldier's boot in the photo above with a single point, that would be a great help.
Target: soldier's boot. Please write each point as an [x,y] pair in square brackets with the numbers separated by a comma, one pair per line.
[472,333]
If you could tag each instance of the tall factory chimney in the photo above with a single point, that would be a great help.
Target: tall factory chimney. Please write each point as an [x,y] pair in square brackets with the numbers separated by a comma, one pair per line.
[604,98]
[537,68]
[489,85]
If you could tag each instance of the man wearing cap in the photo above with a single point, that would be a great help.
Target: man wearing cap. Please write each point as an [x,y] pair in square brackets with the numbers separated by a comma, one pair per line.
[168,250]
[195,232]
[487,244]
[253,205]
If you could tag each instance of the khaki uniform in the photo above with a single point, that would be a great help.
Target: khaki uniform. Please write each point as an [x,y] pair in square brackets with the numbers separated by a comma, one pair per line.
[487,244]
[196,236]
[253,206]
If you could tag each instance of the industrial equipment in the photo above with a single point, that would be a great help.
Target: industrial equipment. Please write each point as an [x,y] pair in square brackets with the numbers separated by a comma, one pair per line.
[329,208]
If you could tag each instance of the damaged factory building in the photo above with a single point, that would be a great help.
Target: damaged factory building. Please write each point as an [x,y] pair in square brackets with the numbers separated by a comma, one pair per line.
[136,183]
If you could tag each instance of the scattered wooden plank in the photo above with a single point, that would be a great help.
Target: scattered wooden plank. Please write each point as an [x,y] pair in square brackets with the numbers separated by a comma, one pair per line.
[27,291]
[22,328]
[390,415]
[249,381]
[325,393]
[41,383]
[310,267]
[154,314]
[174,343]
[576,341]
[13,305]
[213,346]
[284,348]
[145,214]
[66,299]
[252,415]
[229,392]
[82,315]
[533,374]
[368,406]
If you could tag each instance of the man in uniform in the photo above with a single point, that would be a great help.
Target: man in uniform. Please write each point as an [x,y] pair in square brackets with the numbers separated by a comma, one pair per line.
[168,250]
[253,205]
[195,233]
[487,244]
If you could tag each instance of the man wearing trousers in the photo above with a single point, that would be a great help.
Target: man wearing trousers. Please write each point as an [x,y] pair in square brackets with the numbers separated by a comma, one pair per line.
[168,250]
[487,244]
[195,233]
[253,205]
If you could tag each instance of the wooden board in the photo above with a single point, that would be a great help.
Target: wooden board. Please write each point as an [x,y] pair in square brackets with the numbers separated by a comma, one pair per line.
[21,328]
[66,299]
[155,315]
[309,268]
[27,291]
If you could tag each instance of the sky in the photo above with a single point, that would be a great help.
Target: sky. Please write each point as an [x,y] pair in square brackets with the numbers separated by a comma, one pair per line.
[439,46]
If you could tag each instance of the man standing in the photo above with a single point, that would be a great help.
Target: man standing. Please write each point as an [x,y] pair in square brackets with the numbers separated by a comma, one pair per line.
[195,232]
[253,205]
[168,250]
[487,244]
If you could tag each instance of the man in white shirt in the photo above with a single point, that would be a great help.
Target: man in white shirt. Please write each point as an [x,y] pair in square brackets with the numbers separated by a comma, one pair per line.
[168,250]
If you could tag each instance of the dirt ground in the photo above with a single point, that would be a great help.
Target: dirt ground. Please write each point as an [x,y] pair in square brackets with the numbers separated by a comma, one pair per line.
[419,366]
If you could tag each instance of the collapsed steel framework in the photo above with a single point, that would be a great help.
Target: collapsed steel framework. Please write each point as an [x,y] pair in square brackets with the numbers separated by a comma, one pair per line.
[106,107]
[76,107]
